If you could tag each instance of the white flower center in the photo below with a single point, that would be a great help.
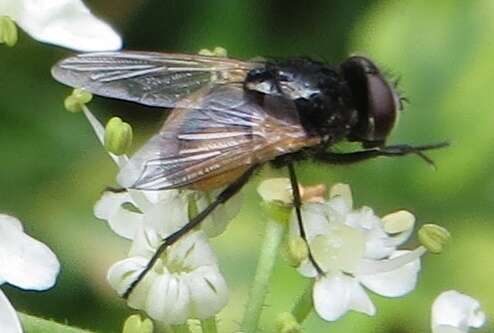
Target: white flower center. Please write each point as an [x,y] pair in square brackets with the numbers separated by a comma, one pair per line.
[340,249]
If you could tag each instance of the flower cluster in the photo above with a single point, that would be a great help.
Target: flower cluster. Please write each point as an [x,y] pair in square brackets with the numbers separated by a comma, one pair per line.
[356,248]
[186,282]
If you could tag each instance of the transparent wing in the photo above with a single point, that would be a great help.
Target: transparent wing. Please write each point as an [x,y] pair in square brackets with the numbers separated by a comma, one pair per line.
[226,131]
[150,78]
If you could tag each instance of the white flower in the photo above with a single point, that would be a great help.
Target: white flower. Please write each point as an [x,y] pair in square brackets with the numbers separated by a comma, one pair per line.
[67,23]
[454,312]
[354,250]
[25,263]
[184,283]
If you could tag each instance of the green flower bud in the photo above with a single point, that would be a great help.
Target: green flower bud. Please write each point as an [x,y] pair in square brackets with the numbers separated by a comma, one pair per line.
[76,101]
[218,51]
[134,324]
[276,211]
[8,31]
[82,95]
[118,136]
[297,251]
[286,323]
[433,237]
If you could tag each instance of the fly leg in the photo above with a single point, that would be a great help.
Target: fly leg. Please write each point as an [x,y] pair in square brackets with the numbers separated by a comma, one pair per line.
[226,194]
[297,202]
[389,151]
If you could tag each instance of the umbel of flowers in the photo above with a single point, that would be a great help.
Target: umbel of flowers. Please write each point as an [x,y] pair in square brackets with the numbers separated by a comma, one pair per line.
[355,249]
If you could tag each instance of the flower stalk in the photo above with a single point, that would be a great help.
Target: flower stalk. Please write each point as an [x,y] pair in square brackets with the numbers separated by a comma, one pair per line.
[304,305]
[209,325]
[272,239]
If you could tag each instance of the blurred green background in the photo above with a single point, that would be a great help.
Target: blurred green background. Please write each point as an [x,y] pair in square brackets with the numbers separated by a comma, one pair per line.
[53,170]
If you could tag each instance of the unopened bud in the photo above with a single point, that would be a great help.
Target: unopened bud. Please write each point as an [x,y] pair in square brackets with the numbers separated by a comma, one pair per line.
[134,324]
[76,101]
[8,31]
[286,323]
[118,136]
[433,237]
[218,51]
[297,251]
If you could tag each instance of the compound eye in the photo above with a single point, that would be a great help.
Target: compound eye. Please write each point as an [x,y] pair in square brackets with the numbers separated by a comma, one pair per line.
[374,99]
[382,108]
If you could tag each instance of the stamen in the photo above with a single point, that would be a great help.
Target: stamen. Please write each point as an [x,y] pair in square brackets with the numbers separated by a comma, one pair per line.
[369,266]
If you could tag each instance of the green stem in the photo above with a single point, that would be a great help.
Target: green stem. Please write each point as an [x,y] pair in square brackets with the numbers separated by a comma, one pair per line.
[209,325]
[181,328]
[304,305]
[269,250]
[39,325]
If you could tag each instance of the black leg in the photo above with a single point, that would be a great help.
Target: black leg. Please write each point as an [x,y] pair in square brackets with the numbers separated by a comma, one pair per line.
[226,194]
[297,202]
[397,150]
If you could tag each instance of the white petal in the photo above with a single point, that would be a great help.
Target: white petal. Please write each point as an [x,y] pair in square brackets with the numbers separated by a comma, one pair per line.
[314,218]
[121,220]
[307,269]
[9,322]
[145,242]
[192,251]
[167,215]
[168,300]
[379,244]
[24,261]
[11,222]
[124,272]
[394,283]
[66,23]
[337,294]
[344,191]
[208,291]
[453,310]
[276,189]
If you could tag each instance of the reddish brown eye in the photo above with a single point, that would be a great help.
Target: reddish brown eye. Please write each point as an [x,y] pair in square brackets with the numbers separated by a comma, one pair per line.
[381,105]
[373,98]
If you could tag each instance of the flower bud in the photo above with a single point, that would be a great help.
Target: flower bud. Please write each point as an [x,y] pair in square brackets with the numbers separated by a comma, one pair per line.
[297,251]
[134,324]
[76,101]
[118,136]
[8,31]
[433,237]
[218,51]
[286,323]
